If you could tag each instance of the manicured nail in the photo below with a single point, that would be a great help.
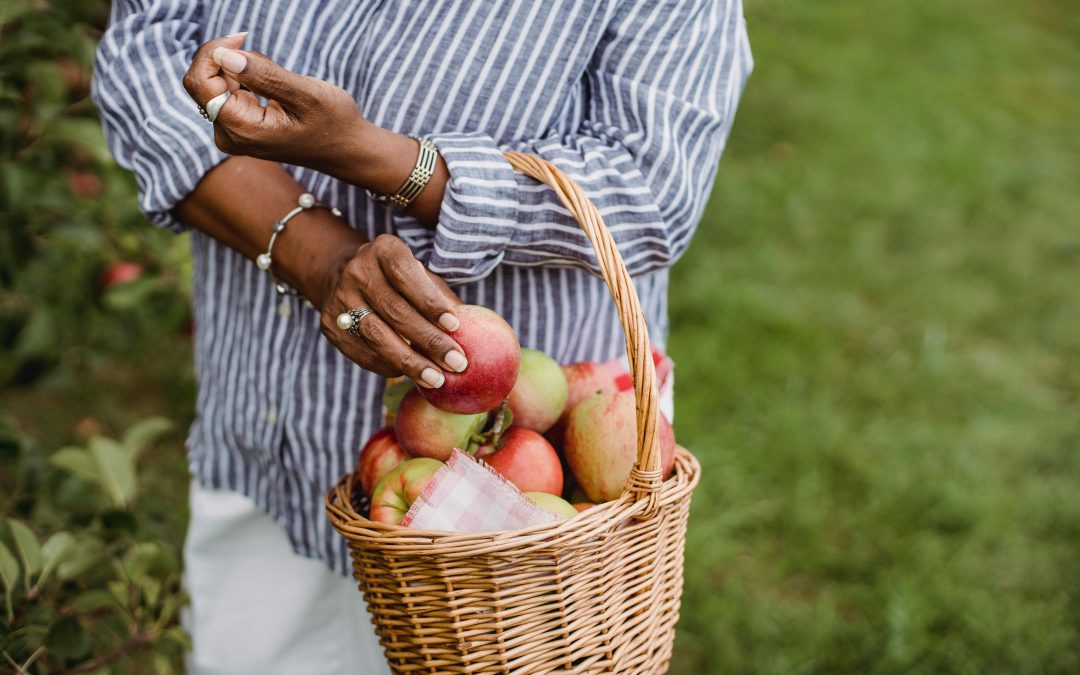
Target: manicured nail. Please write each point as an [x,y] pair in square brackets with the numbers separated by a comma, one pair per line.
[230,59]
[449,322]
[456,360]
[240,34]
[433,377]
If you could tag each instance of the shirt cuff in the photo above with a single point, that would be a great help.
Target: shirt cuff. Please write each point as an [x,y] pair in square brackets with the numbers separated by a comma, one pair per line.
[478,220]
[168,166]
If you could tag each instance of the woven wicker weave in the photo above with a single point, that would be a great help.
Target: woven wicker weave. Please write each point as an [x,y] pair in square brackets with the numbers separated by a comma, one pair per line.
[595,594]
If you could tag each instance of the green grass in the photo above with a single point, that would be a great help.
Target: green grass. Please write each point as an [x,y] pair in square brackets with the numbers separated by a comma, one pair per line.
[878,335]
[878,344]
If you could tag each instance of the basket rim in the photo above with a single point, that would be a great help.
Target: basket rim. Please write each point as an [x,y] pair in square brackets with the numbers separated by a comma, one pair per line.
[589,523]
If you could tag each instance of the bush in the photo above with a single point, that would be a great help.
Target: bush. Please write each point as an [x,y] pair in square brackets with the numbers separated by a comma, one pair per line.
[102,587]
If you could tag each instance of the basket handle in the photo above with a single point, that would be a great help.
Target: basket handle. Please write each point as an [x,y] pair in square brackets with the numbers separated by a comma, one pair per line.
[646,476]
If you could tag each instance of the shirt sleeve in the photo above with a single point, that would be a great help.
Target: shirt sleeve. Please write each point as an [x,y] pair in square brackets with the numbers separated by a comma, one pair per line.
[151,124]
[661,90]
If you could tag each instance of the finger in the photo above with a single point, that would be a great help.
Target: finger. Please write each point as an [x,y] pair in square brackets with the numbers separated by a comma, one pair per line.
[203,80]
[444,288]
[243,112]
[425,337]
[356,350]
[412,280]
[266,78]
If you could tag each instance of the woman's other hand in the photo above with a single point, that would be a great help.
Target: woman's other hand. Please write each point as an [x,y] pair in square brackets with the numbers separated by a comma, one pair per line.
[407,301]
[306,121]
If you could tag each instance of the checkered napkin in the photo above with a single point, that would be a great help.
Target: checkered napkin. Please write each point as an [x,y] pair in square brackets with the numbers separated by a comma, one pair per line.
[468,496]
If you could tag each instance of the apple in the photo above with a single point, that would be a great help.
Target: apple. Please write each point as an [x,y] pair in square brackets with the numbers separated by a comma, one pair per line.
[556,505]
[586,379]
[426,431]
[583,379]
[379,456]
[396,492]
[601,444]
[539,395]
[494,357]
[524,458]
[583,506]
[120,273]
[84,184]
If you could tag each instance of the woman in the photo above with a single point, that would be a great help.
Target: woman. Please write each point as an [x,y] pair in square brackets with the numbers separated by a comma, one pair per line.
[632,99]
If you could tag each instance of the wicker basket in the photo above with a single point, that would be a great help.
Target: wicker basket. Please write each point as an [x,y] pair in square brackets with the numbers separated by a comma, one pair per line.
[595,594]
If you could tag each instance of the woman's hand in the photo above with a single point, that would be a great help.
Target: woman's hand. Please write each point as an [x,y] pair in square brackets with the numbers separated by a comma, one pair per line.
[408,302]
[313,123]
[306,121]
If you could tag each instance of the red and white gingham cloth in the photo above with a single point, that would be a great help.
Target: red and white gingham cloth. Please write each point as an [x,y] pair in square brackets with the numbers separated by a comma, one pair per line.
[468,496]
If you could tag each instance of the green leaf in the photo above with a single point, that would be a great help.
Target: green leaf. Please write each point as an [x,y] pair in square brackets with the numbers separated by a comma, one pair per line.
[140,560]
[179,636]
[150,588]
[83,556]
[394,393]
[84,132]
[9,574]
[142,433]
[116,470]
[77,461]
[26,543]
[53,551]
[93,600]
[67,639]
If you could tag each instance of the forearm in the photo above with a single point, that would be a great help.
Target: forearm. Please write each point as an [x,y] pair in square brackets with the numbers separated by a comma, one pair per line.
[237,202]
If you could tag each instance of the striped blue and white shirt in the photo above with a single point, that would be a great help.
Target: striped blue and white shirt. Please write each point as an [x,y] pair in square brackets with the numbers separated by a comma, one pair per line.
[632,98]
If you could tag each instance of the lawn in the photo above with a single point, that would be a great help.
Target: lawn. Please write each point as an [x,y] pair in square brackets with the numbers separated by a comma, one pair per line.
[876,328]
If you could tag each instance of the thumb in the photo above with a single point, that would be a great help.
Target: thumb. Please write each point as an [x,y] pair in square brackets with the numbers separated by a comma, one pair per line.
[261,75]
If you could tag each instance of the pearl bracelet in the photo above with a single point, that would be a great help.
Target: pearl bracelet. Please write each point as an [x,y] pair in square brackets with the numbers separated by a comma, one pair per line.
[305,202]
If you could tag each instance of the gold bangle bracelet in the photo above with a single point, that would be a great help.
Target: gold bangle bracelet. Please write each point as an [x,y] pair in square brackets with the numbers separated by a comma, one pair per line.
[417,180]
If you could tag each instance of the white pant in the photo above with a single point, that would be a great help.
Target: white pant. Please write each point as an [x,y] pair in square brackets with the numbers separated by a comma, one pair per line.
[257,608]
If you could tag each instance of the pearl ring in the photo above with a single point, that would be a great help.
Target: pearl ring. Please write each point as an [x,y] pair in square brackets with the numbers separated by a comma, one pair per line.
[350,321]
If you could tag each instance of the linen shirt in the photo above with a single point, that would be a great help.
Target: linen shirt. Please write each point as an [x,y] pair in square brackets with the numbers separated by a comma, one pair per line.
[632,98]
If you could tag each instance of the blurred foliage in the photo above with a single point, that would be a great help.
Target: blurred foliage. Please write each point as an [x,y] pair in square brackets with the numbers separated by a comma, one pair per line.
[89,558]
[876,332]
[101,591]
[70,216]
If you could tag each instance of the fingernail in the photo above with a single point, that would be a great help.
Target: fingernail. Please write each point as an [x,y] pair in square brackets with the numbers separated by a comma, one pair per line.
[240,34]
[230,59]
[456,360]
[449,322]
[432,377]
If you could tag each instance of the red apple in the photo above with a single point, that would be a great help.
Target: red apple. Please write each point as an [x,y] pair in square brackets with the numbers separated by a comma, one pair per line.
[586,379]
[379,456]
[84,184]
[601,444]
[426,431]
[120,273]
[396,492]
[525,459]
[494,356]
[556,505]
[539,395]
[583,380]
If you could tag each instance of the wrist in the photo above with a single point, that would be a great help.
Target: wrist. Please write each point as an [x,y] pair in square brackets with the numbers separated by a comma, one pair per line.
[374,158]
[313,252]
